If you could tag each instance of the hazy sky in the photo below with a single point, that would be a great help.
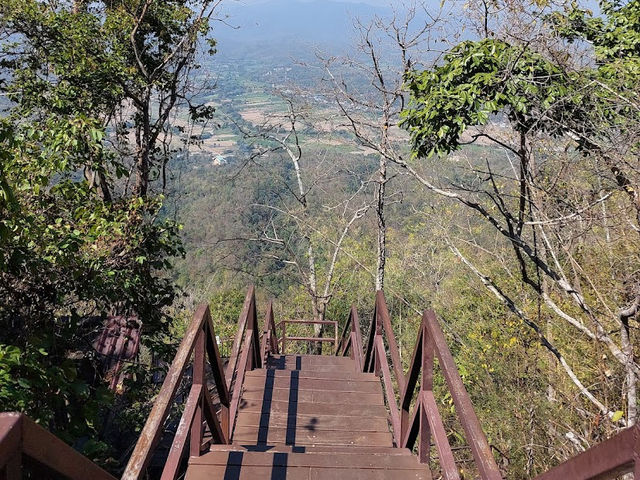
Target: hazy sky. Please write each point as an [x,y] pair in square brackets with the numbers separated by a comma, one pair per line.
[369,2]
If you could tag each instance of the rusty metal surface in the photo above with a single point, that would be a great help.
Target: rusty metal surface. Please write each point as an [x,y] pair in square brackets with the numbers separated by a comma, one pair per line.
[219,430]
[118,342]
[424,435]
[356,342]
[153,427]
[425,421]
[411,430]
[198,380]
[430,410]
[217,368]
[10,436]
[413,375]
[369,353]
[269,342]
[421,368]
[608,460]
[343,344]
[308,322]
[248,346]
[311,339]
[250,355]
[120,338]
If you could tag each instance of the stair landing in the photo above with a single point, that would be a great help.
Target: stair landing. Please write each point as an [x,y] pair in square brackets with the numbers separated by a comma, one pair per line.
[307,417]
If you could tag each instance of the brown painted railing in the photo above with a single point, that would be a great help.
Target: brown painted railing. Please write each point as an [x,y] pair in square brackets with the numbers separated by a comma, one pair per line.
[607,460]
[245,355]
[284,338]
[199,341]
[352,344]
[376,360]
[425,421]
[26,445]
[269,342]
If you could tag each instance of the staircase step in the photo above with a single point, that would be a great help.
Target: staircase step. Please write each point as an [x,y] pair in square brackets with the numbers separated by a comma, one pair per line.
[334,450]
[305,408]
[310,362]
[312,359]
[306,383]
[304,436]
[243,464]
[311,396]
[314,422]
[314,368]
[327,374]
[208,472]
[327,459]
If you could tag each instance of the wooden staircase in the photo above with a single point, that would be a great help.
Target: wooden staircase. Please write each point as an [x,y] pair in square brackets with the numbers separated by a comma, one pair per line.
[266,415]
[308,417]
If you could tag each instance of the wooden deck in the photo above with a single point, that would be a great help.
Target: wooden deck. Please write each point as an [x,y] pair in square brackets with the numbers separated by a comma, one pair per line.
[309,418]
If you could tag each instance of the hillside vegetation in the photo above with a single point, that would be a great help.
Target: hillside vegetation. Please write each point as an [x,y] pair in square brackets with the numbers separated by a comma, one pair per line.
[479,160]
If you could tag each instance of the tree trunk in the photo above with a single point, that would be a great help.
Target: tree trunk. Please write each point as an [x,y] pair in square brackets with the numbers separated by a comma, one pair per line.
[143,138]
[382,227]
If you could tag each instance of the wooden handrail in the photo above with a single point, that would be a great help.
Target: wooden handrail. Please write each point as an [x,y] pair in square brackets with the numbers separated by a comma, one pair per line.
[269,342]
[353,343]
[248,344]
[381,326]
[22,442]
[199,339]
[610,459]
[283,338]
[248,314]
[425,421]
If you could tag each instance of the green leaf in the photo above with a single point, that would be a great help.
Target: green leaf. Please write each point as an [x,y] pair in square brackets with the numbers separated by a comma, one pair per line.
[617,416]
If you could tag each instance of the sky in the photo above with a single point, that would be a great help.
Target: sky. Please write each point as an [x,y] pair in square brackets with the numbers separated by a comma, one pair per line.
[287,22]
[379,3]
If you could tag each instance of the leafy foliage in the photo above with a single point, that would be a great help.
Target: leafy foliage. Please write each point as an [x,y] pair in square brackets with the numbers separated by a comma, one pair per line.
[75,243]
[480,79]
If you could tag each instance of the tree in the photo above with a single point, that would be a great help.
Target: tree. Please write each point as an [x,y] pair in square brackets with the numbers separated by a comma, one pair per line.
[387,49]
[549,106]
[80,234]
[313,205]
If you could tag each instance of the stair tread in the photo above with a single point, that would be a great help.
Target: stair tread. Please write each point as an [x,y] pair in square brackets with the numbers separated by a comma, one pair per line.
[321,459]
[304,436]
[314,421]
[312,358]
[318,363]
[311,396]
[279,448]
[337,385]
[207,472]
[308,408]
[338,374]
